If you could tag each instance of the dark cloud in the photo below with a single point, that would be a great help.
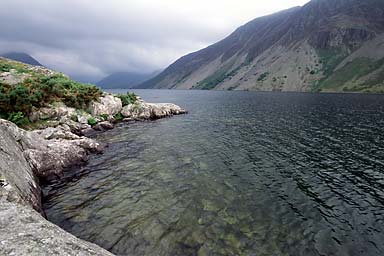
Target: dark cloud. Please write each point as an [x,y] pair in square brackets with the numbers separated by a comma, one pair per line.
[92,38]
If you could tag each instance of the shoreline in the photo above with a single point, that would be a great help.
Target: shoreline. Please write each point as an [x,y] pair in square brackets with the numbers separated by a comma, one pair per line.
[30,157]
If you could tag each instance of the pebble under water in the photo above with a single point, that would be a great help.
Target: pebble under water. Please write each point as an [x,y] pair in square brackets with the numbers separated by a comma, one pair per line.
[242,174]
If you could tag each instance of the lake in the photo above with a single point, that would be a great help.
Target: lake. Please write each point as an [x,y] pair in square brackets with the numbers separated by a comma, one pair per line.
[244,173]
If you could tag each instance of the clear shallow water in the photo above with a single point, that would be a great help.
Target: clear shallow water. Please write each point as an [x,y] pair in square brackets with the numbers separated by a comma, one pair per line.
[242,174]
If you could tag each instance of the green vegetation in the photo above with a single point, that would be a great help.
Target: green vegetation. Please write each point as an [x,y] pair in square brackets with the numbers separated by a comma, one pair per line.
[213,80]
[129,98]
[224,73]
[92,121]
[118,117]
[377,79]
[7,66]
[74,118]
[347,78]
[39,90]
[343,78]
[218,77]
[330,59]
[18,118]
[263,76]
[104,117]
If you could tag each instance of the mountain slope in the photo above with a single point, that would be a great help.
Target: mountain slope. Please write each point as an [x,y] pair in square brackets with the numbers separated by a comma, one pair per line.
[317,47]
[124,80]
[22,57]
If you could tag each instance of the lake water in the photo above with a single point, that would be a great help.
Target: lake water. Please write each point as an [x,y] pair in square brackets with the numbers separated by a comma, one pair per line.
[242,174]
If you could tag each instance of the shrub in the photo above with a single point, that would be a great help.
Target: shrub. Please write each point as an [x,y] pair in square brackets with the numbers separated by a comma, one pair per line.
[5,67]
[129,98]
[74,118]
[263,76]
[18,118]
[118,117]
[104,117]
[92,121]
[39,91]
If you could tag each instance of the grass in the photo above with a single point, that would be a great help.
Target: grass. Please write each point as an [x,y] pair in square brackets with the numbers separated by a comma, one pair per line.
[343,78]
[330,59]
[378,79]
[216,78]
[7,66]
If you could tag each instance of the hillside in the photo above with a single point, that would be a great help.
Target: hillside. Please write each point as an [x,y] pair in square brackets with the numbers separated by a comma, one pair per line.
[326,45]
[124,80]
[22,57]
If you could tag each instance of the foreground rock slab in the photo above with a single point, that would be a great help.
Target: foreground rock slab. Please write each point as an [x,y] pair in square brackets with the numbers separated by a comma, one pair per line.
[27,157]
[26,232]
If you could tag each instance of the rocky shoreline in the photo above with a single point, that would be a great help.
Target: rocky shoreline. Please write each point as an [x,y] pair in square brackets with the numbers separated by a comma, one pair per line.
[28,157]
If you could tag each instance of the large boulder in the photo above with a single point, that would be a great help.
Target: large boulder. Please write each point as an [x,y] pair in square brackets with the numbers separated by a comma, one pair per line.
[75,127]
[160,110]
[107,105]
[51,150]
[25,232]
[58,132]
[143,110]
[54,112]
[13,77]
[18,181]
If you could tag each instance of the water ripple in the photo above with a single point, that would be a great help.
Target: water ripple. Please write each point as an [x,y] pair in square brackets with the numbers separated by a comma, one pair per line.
[242,174]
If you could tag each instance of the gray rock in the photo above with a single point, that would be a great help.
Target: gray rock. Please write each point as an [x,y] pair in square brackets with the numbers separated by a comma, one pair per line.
[59,132]
[160,110]
[51,157]
[84,117]
[103,126]
[25,232]
[12,77]
[88,132]
[21,184]
[24,156]
[54,112]
[75,127]
[107,105]
[143,110]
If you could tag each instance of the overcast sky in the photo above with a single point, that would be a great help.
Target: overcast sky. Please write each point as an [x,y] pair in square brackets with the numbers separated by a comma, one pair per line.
[93,38]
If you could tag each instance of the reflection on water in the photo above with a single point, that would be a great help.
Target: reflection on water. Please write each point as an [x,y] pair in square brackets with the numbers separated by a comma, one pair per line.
[241,174]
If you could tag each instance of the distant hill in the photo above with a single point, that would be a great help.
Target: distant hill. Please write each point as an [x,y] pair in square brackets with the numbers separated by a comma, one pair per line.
[325,45]
[124,80]
[22,57]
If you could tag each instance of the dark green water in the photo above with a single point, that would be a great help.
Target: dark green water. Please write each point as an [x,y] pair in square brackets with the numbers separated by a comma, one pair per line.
[242,174]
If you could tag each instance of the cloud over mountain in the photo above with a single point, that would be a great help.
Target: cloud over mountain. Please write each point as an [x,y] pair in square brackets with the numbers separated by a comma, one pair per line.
[89,39]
